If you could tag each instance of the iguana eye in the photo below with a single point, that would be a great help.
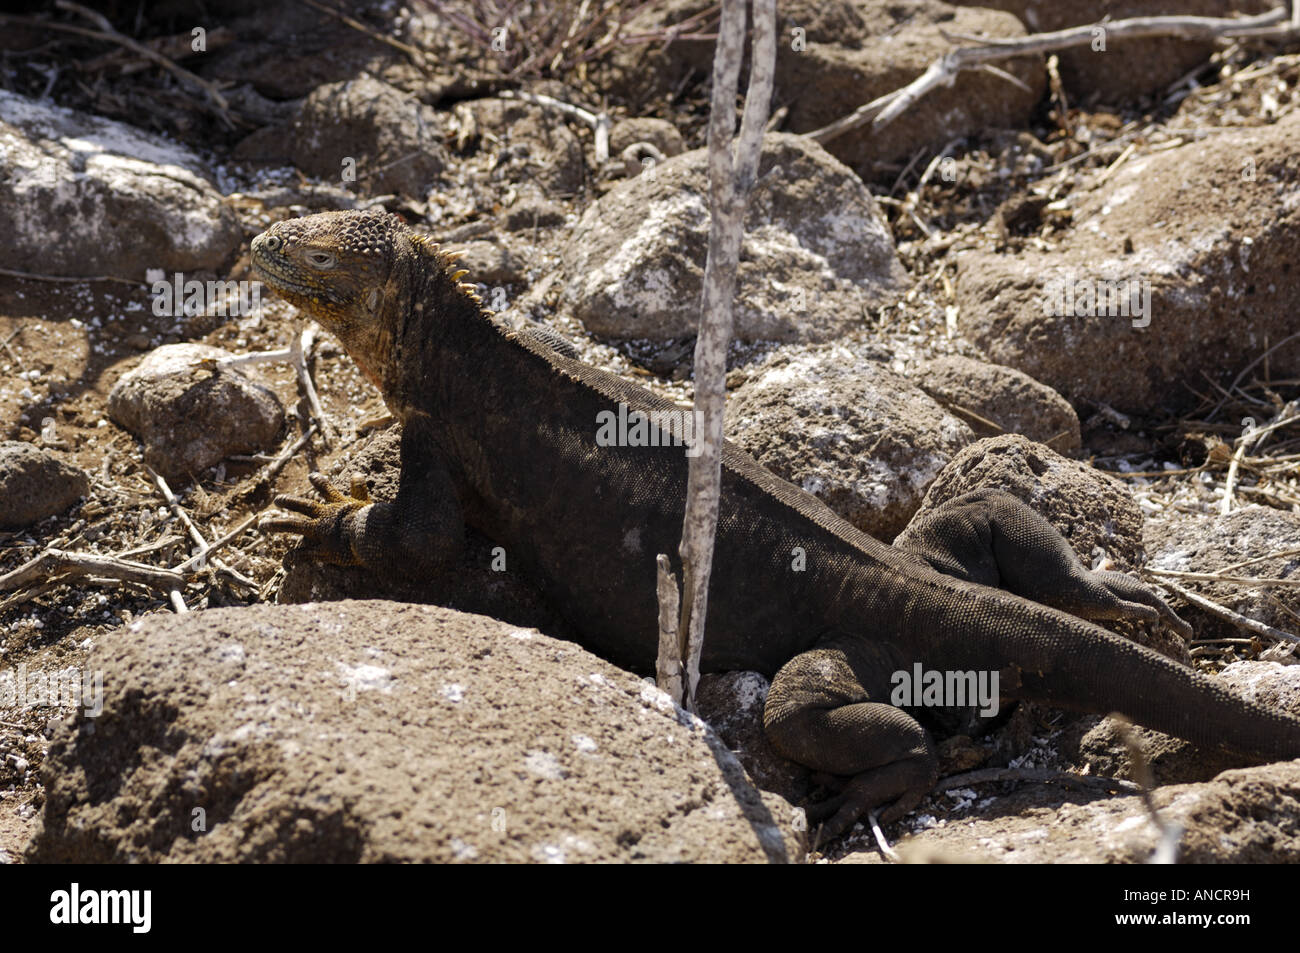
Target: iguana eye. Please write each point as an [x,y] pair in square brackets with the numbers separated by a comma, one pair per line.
[320,259]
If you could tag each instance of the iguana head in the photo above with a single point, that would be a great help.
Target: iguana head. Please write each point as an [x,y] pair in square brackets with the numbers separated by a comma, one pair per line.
[369,279]
[341,268]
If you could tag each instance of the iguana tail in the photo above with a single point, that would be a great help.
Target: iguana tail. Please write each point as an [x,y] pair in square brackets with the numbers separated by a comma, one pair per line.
[1067,662]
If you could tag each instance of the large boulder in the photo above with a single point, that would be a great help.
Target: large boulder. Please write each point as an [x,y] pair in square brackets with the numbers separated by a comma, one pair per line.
[377,731]
[816,252]
[1182,264]
[847,429]
[89,196]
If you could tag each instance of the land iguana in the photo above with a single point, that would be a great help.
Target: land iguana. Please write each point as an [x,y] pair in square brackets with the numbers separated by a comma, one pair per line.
[500,433]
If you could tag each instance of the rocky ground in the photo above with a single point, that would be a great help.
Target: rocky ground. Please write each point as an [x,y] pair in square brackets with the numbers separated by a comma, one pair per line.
[897,346]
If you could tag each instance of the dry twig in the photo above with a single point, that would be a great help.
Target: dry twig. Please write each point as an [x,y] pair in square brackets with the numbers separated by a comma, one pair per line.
[599,122]
[1227,615]
[885,109]
[57,562]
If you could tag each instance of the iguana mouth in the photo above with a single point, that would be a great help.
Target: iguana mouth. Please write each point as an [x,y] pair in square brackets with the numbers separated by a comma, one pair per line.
[276,275]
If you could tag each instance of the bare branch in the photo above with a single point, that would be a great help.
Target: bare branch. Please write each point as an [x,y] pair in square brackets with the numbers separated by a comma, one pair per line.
[668,663]
[56,561]
[885,109]
[1227,615]
[731,176]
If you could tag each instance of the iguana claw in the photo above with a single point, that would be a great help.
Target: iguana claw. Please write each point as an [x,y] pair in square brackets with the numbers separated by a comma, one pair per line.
[892,790]
[322,526]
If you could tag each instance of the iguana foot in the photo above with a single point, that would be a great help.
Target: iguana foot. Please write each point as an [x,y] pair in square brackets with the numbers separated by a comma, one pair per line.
[322,526]
[1101,595]
[895,788]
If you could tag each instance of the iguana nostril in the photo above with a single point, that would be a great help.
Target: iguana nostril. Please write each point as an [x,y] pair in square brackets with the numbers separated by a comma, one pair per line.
[271,242]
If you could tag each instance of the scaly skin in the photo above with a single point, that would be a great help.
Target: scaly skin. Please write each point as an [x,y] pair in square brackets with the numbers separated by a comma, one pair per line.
[499,432]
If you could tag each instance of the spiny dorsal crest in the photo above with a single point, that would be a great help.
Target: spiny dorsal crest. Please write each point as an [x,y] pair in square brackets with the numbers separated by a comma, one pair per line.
[444,259]
[447,261]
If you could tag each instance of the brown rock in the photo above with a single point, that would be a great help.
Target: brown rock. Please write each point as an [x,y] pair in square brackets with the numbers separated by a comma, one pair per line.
[85,195]
[35,483]
[1015,402]
[1213,229]
[847,429]
[392,140]
[815,255]
[532,211]
[190,416]
[488,263]
[1104,751]
[381,732]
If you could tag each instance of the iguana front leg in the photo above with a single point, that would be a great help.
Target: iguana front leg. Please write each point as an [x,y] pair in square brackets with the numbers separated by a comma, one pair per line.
[992,538]
[418,533]
[325,528]
[827,709]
